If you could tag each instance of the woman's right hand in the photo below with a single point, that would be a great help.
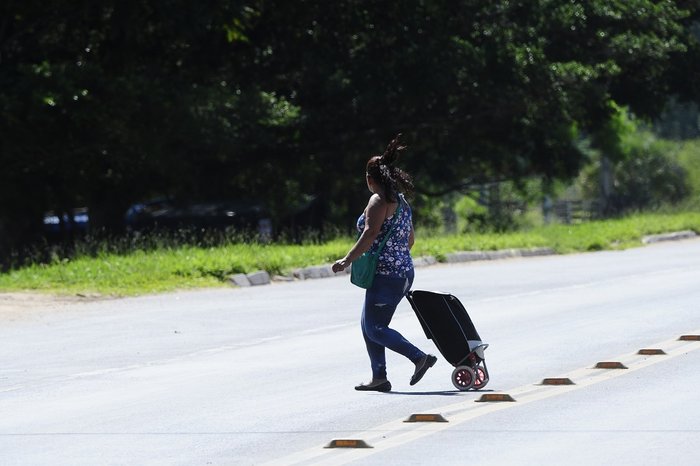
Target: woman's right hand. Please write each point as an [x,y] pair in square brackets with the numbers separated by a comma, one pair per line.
[340,265]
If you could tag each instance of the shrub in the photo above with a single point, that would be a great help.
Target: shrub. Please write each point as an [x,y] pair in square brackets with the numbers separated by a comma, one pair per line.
[648,177]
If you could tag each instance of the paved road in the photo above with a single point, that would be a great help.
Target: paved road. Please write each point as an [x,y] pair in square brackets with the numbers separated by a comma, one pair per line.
[249,376]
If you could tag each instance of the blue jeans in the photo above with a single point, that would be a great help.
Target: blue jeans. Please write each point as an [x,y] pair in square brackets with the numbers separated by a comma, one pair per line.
[380,303]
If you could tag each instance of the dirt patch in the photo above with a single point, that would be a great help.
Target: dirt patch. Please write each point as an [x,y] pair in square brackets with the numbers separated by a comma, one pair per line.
[27,305]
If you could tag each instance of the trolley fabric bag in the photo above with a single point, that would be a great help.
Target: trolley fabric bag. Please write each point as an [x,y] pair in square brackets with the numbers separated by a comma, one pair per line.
[364,268]
[446,321]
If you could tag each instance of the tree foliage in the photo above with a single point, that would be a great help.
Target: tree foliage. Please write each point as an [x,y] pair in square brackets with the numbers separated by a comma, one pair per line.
[648,175]
[106,103]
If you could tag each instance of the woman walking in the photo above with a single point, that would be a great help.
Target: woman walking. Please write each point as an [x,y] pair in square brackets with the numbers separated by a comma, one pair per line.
[394,275]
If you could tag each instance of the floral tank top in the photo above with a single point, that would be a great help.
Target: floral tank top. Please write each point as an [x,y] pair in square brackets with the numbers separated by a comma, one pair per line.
[395,259]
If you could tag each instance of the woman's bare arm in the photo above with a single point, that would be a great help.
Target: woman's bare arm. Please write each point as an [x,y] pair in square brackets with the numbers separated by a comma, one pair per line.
[375,213]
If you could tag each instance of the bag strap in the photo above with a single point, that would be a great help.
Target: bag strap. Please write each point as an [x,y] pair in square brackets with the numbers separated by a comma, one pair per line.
[394,221]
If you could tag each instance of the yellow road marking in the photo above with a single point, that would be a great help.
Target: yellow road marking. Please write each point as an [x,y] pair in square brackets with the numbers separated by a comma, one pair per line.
[396,433]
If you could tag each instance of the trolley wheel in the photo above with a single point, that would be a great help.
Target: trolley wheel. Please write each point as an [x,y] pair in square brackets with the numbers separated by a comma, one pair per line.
[480,379]
[463,377]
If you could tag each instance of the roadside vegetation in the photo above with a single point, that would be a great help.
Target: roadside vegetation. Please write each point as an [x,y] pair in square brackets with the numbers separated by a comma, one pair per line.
[654,188]
[528,125]
[169,268]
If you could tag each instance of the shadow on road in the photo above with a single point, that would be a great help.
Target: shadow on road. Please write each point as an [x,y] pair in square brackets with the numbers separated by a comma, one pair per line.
[439,393]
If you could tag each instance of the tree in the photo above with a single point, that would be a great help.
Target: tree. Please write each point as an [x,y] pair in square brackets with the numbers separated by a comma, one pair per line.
[105,103]
[483,90]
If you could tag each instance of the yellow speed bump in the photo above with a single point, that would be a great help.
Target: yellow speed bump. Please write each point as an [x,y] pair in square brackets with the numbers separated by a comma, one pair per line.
[610,365]
[426,418]
[347,443]
[494,397]
[651,351]
[558,381]
[690,338]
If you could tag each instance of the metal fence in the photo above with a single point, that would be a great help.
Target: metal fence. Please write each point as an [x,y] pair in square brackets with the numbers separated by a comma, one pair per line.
[574,211]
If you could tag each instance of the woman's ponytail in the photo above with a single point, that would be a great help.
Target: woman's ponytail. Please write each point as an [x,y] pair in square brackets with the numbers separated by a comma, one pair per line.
[391,154]
[392,178]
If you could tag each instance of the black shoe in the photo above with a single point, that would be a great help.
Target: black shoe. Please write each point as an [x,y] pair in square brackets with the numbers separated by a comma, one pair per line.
[380,387]
[422,367]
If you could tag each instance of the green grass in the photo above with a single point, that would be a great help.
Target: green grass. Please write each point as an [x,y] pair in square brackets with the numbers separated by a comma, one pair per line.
[187,267]
[167,269]
[564,239]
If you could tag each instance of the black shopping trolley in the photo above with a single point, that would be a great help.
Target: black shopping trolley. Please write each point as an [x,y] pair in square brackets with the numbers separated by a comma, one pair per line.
[445,321]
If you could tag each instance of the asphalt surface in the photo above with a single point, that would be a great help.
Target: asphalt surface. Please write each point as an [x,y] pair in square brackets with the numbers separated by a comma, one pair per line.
[266,374]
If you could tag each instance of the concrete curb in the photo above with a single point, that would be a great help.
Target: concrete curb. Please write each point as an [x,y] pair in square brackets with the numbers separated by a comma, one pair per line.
[240,279]
[470,256]
[686,234]
[314,272]
[325,271]
[425,261]
[259,278]
[251,279]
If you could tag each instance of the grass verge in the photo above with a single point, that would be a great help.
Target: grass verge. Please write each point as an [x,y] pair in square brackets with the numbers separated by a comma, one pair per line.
[188,267]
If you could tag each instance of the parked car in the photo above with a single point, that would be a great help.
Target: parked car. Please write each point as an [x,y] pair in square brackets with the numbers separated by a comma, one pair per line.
[168,214]
[59,224]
